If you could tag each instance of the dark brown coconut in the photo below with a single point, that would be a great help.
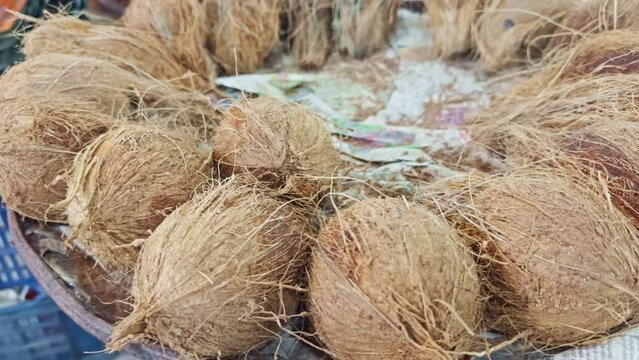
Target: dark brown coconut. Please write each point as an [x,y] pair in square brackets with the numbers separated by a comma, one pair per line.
[311,34]
[283,144]
[242,33]
[125,183]
[391,280]
[451,22]
[560,262]
[361,27]
[219,275]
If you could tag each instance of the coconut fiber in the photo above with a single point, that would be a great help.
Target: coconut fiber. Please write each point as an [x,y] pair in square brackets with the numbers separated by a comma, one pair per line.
[219,275]
[451,23]
[311,34]
[391,280]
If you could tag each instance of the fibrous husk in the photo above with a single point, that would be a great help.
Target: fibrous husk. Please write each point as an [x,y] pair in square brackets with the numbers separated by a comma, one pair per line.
[512,32]
[391,280]
[559,262]
[282,144]
[219,275]
[132,49]
[39,137]
[451,23]
[361,27]
[242,33]
[180,24]
[124,184]
[311,35]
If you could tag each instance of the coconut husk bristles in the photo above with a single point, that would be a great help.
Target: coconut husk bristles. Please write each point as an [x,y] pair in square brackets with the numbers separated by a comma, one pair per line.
[451,23]
[219,275]
[401,274]
[282,144]
[242,33]
[311,37]
[559,262]
[123,185]
[362,27]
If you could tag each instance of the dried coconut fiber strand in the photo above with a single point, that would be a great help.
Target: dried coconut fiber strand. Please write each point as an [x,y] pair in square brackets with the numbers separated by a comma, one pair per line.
[220,275]
[361,27]
[311,35]
[451,22]
[242,33]
[391,280]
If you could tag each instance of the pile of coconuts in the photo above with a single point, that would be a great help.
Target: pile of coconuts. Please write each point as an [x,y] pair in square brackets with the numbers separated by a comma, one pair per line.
[213,218]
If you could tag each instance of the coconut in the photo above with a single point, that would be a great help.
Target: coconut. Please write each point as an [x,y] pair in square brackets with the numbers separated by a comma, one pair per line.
[282,144]
[39,138]
[311,36]
[451,23]
[511,32]
[361,27]
[242,33]
[559,262]
[131,49]
[124,184]
[219,275]
[391,280]
[180,24]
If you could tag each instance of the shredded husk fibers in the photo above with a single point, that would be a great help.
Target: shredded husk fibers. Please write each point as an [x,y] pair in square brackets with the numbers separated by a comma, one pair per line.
[123,185]
[559,262]
[361,27]
[242,33]
[132,49]
[39,138]
[391,280]
[180,24]
[515,32]
[282,144]
[451,23]
[219,275]
[312,34]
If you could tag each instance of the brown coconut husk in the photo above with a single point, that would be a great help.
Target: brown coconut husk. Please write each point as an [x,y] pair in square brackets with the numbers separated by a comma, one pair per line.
[124,184]
[391,280]
[219,275]
[362,27]
[132,49]
[180,24]
[40,136]
[451,23]
[242,33]
[282,144]
[515,32]
[312,34]
[559,262]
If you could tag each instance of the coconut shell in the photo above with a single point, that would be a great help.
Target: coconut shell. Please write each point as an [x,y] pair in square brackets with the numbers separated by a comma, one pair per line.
[391,280]
[124,184]
[362,27]
[451,23]
[39,138]
[180,24]
[559,262]
[311,37]
[282,144]
[219,274]
[131,49]
[242,33]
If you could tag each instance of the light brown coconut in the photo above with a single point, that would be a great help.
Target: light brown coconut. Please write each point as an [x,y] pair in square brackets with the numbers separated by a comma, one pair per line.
[219,275]
[362,27]
[512,32]
[124,184]
[132,49]
[180,24]
[312,34]
[451,23]
[242,33]
[391,280]
[39,137]
[282,144]
[560,263]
